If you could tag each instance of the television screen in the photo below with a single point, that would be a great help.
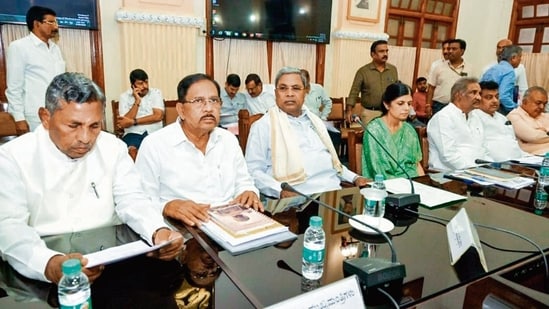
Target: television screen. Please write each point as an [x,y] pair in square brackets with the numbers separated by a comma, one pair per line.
[70,13]
[305,21]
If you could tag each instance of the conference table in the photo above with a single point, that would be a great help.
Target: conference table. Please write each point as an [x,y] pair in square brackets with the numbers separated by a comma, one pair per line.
[431,281]
[255,279]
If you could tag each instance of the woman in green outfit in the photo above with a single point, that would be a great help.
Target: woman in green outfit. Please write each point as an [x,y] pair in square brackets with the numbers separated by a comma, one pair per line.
[397,136]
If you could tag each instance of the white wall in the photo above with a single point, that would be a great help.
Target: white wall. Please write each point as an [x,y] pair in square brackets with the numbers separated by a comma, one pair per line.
[482,24]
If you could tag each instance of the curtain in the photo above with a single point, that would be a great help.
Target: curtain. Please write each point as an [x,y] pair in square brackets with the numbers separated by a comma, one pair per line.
[241,57]
[166,52]
[536,65]
[74,45]
[427,57]
[404,58]
[298,55]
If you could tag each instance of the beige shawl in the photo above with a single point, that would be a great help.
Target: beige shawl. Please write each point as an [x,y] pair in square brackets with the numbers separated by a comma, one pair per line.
[286,156]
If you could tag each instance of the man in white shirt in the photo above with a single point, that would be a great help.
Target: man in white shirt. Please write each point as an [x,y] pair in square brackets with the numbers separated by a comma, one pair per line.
[32,62]
[232,102]
[192,163]
[291,144]
[69,176]
[499,138]
[141,110]
[455,138]
[259,97]
[445,75]
[317,100]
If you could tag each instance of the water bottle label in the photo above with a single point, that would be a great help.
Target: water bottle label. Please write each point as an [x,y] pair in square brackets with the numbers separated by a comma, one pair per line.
[541,196]
[313,256]
[544,171]
[76,301]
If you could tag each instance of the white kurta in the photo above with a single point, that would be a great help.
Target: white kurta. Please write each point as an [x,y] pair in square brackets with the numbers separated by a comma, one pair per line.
[153,99]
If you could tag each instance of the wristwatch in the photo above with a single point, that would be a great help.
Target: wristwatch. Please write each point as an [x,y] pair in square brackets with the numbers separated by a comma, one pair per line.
[134,121]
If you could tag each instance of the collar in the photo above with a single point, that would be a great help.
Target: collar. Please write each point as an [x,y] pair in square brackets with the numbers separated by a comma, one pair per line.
[37,42]
[176,135]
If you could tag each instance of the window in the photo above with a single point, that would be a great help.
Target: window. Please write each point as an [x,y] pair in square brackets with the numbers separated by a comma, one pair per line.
[530,25]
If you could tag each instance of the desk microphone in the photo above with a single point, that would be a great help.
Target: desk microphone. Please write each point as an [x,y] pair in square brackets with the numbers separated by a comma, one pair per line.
[395,202]
[373,273]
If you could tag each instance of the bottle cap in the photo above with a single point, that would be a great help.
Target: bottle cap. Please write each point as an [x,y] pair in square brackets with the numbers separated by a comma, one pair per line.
[71,267]
[379,178]
[315,221]
[538,212]
[547,154]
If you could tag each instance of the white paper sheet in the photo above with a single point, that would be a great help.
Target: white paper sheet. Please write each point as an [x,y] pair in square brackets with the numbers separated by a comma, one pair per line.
[429,196]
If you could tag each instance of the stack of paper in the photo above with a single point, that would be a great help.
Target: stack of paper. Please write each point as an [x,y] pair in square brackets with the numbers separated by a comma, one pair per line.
[489,176]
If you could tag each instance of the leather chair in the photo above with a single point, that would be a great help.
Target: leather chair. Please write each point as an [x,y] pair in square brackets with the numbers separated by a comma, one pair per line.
[245,121]
[170,113]
[354,145]
[8,131]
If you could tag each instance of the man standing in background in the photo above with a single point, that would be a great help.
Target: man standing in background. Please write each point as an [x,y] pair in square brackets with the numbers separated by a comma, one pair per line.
[32,63]
[445,75]
[370,82]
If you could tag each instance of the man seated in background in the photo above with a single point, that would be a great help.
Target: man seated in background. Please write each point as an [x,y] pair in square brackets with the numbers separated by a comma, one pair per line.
[498,135]
[192,163]
[69,176]
[259,97]
[455,138]
[503,73]
[317,100]
[141,110]
[419,100]
[232,102]
[291,144]
[531,123]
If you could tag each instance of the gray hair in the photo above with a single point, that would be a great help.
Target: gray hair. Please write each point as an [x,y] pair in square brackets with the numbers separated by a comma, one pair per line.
[291,70]
[460,86]
[509,52]
[72,88]
[532,89]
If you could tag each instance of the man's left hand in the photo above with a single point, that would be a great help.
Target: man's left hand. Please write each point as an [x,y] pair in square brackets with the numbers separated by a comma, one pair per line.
[170,251]
[249,199]
[361,181]
[124,122]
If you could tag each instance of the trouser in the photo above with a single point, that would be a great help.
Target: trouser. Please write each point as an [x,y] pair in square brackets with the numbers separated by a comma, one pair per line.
[368,115]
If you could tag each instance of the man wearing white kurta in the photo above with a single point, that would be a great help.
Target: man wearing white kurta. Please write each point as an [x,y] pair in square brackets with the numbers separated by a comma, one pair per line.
[455,138]
[69,176]
[32,62]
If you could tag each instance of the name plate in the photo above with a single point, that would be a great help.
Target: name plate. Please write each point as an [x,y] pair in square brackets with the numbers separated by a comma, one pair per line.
[344,293]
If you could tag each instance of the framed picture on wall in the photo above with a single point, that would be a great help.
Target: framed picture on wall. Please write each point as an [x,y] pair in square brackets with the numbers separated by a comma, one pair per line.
[363,10]
[349,201]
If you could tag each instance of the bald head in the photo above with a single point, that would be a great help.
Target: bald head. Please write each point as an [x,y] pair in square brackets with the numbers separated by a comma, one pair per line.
[501,44]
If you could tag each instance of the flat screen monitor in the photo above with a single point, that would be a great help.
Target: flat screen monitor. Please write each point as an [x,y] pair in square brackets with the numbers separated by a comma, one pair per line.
[80,14]
[304,21]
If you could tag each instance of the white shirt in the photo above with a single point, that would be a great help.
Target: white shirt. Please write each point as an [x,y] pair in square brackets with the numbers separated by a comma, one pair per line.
[153,99]
[455,142]
[261,103]
[30,67]
[44,192]
[317,98]
[433,66]
[317,161]
[230,107]
[173,168]
[499,139]
[444,77]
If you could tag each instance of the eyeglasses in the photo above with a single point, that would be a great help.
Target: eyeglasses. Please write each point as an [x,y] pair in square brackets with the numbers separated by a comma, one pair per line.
[204,274]
[50,22]
[286,88]
[201,101]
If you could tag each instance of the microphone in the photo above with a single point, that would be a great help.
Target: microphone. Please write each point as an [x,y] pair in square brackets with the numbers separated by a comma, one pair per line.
[395,202]
[373,273]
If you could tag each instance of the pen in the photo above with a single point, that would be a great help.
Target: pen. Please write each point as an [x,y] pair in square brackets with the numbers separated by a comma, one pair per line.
[94,189]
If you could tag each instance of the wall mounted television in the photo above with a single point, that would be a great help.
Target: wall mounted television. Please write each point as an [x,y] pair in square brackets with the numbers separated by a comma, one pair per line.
[304,21]
[80,14]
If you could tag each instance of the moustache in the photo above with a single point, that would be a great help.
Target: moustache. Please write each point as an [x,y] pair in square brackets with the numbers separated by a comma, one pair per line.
[208,116]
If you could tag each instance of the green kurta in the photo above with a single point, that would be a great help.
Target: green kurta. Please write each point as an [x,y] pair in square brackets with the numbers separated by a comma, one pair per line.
[402,145]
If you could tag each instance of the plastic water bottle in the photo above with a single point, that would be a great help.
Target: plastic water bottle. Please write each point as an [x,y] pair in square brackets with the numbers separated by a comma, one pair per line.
[540,201]
[74,287]
[380,185]
[543,178]
[314,241]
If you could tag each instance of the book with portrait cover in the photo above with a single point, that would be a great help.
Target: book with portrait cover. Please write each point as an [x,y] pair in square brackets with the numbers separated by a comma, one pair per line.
[240,229]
